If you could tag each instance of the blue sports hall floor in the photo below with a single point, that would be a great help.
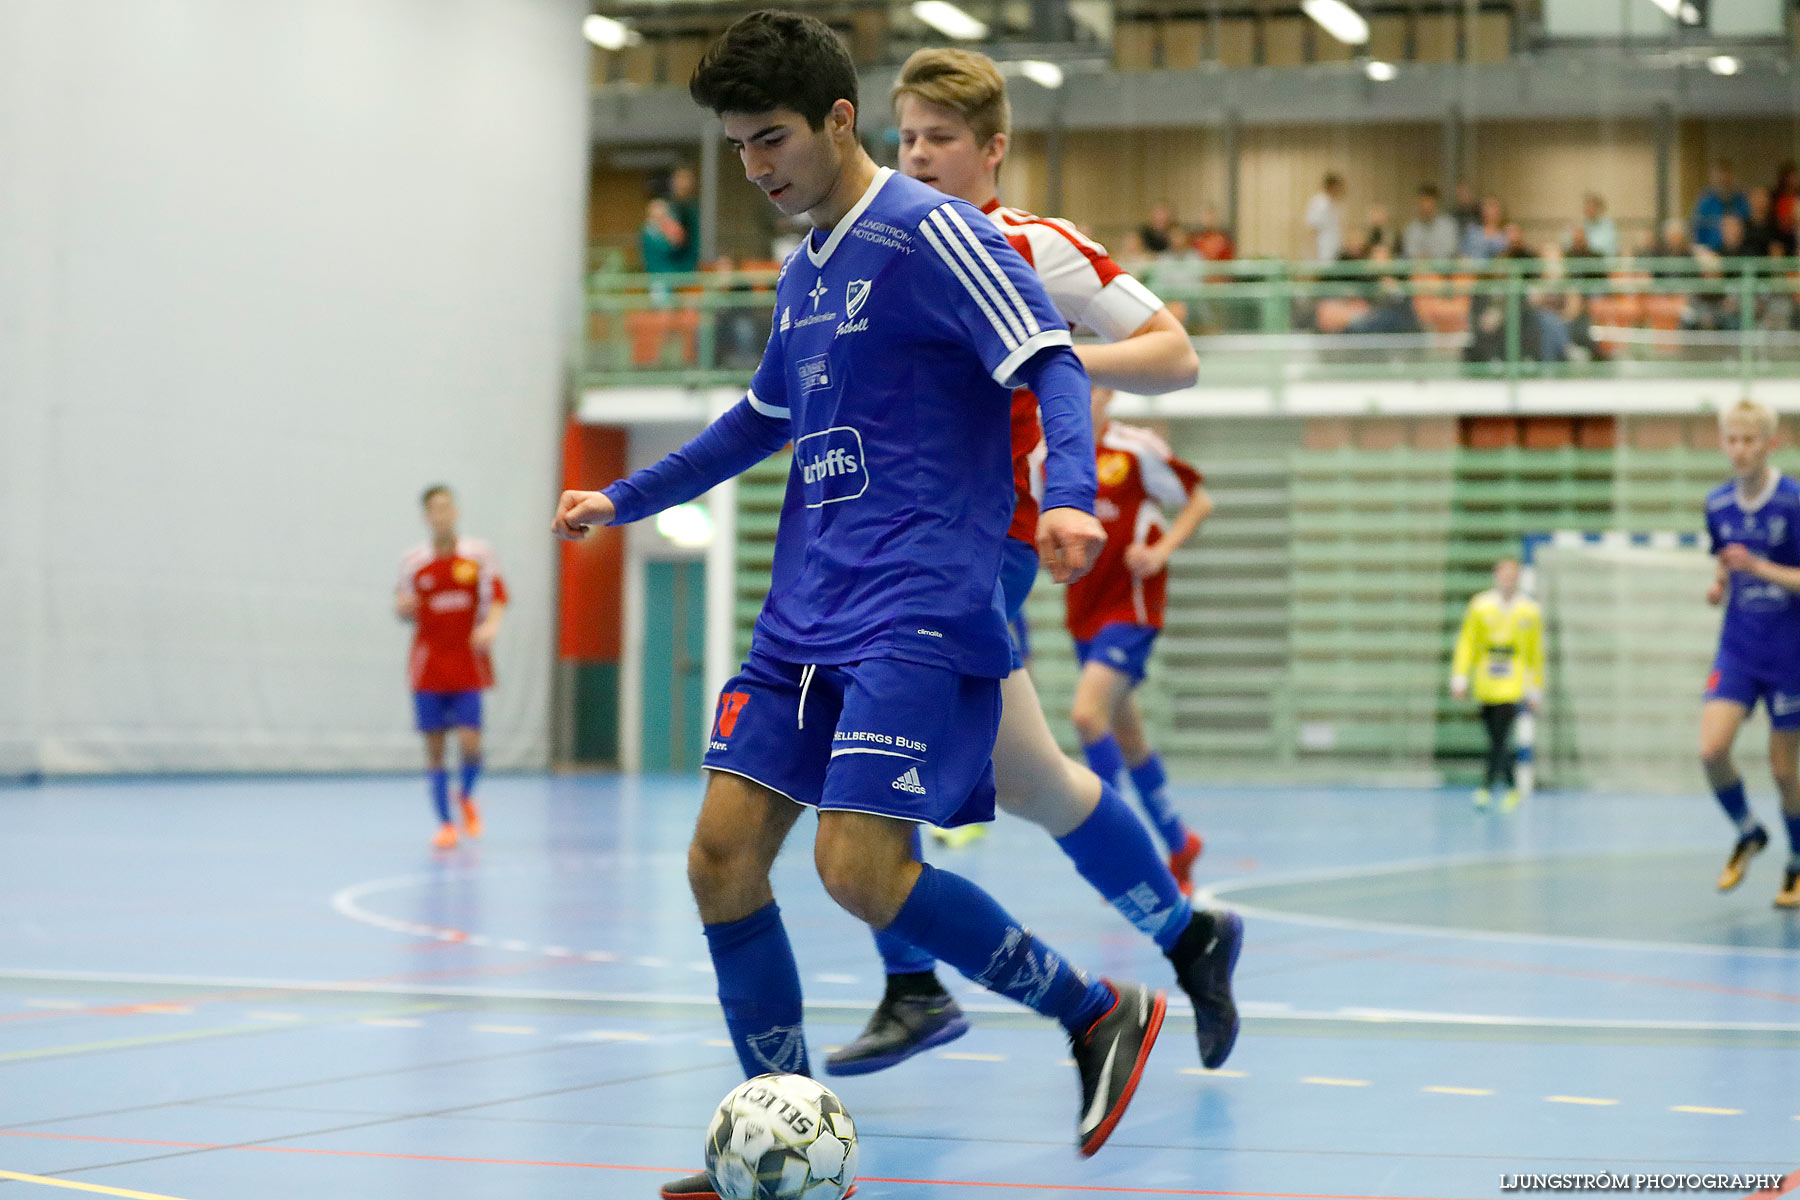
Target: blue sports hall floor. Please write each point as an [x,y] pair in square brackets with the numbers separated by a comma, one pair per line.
[271,989]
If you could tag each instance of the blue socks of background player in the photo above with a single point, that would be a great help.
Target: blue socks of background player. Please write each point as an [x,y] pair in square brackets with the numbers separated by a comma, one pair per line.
[1114,853]
[1105,759]
[1152,784]
[964,926]
[759,989]
[440,793]
[898,955]
[1731,799]
[1793,828]
[471,770]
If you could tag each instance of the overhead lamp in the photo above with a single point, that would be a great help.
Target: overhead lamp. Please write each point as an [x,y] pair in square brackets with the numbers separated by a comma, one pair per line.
[1679,10]
[1379,71]
[949,20]
[1723,64]
[1339,20]
[1044,74]
[607,33]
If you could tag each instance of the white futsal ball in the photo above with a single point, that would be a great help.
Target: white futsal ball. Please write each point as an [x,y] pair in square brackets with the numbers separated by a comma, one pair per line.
[781,1137]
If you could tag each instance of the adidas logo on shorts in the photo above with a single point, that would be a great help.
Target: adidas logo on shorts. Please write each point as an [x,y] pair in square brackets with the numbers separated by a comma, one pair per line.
[909,782]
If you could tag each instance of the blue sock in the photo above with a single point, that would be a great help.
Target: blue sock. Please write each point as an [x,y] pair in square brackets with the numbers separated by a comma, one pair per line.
[759,989]
[898,955]
[1152,789]
[1731,799]
[1793,827]
[963,926]
[1105,759]
[440,793]
[1114,853]
[471,770]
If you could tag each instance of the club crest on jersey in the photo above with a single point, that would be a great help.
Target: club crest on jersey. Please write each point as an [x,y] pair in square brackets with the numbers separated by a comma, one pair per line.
[1114,467]
[465,572]
[855,294]
[831,466]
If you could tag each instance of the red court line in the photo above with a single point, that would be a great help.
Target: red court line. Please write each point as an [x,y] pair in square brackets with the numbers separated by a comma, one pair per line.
[1789,1184]
[1091,1189]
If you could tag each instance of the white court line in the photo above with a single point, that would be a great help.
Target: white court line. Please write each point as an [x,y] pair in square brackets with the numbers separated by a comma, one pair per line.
[704,1003]
[1219,892]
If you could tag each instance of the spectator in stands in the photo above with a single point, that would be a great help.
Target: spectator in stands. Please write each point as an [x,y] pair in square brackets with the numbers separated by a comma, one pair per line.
[684,206]
[1600,234]
[1467,211]
[1567,330]
[662,242]
[1717,310]
[1433,233]
[1784,206]
[1717,202]
[1672,242]
[1211,239]
[1488,238]
[1390,304]
[1325,218]
[1155,231]
[1760,233]
[1380,235]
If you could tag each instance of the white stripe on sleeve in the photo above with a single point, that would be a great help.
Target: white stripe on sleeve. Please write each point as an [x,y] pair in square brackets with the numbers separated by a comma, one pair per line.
[1003,374]
[767,410]
[955,252]
[1006,284]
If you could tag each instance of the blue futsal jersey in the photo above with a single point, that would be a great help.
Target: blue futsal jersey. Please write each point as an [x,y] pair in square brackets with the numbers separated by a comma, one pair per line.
[1762,620]
[892,361]
[897,339]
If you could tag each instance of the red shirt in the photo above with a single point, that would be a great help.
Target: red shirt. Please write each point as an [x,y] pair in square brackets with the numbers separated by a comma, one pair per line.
[1139,476]
[454,593]
[1089,289]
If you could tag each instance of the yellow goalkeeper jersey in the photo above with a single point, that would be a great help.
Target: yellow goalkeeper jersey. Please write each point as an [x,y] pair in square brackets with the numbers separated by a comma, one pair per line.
[1500,651]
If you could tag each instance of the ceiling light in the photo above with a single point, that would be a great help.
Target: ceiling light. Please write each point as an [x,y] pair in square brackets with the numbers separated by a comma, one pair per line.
[1723,64]
[1044,74]
[1339,19]
[607,33]
[1671,7]
[1381,72]
[1690,14]
[949,20]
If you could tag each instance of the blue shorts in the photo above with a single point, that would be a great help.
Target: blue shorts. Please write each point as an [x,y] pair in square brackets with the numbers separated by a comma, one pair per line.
[1124,648]
[1735,678]
[1018,572]
[438,711]
[880,736]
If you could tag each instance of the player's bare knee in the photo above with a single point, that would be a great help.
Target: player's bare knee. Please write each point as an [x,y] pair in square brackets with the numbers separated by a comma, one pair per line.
[1091,722]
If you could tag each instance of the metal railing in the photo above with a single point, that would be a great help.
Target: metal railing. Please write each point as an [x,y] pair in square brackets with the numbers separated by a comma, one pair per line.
[1273,323]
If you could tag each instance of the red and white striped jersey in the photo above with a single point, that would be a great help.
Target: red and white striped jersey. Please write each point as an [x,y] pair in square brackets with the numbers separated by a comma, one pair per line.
[1089,289]
[1139,477]
[454,592]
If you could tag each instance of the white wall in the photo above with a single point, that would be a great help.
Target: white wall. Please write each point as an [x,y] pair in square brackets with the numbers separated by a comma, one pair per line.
[265,271]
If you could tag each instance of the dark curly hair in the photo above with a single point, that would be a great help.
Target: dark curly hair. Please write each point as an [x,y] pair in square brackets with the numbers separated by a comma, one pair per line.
[772,59]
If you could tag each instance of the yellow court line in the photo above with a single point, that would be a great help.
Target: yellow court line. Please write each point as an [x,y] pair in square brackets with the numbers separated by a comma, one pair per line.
[1578,1100]
[1217,1073]
[84,1187]
[1444,1090]
[1711,1112]
[965,1056]
[1328,1081]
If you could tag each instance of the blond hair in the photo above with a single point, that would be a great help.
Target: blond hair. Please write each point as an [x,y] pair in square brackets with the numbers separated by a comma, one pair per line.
[963,81]
[1753,410]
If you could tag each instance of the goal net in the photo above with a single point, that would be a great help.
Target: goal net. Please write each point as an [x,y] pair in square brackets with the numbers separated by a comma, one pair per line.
[1630,642]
